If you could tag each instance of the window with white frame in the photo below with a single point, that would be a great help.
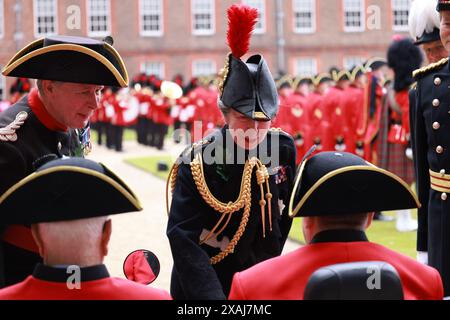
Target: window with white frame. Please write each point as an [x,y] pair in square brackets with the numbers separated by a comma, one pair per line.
[203,19]
[153,68]
[260,5]
[151,15]
[354,16]
[304,16]
[45,19]
[400,14]
[306,67]
[99,18]
[352,61]
[2,19]
[203,68]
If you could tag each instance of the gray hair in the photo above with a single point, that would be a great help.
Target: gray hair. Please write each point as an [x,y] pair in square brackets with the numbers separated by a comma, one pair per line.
[79,237]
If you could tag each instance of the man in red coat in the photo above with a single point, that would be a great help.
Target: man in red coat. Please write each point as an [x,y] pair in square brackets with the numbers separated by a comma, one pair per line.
[319,120]
[335,230]
[369,127]
[334,108]
[72,236]
[300,124]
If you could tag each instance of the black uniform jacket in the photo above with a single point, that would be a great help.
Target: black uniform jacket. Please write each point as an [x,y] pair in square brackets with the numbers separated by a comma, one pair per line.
[430,129]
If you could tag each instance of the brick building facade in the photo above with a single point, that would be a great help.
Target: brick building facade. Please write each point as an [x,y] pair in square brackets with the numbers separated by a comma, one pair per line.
[167,37]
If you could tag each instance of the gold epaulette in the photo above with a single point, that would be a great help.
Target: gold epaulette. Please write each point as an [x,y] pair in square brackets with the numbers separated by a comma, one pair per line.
[431,67]
[8,133]
[413,86]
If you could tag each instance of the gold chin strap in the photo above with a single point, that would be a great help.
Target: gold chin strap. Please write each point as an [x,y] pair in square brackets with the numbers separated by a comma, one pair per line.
[227,209]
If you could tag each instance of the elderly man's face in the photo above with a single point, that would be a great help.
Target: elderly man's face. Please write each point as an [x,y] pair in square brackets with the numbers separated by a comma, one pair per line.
[72,104]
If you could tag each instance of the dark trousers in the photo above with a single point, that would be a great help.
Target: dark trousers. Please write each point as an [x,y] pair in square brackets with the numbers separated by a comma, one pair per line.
[160,133]
[109,128]
[141,130]
[117,137]
[151,133]
[100,127]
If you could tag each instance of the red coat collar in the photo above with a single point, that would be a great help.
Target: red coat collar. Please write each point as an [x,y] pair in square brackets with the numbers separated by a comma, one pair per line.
[42,114]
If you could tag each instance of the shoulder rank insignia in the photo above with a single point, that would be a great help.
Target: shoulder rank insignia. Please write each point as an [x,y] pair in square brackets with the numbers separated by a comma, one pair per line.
[8,133]
[431,67]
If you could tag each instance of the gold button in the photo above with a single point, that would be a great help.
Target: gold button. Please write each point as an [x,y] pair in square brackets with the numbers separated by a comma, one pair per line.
[59,146]
[436,126]
[436,103]
[437,81]
[439,149]
[444,197]
[443,172]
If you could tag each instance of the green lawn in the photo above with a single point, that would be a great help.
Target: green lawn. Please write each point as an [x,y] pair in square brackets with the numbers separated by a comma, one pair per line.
[383,233]
[150,165]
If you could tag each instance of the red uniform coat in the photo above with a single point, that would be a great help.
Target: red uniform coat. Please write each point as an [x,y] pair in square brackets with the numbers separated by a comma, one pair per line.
[51,284]
[285,277]
[372,122]
[334,109]
[160,110]
[283,119]
[300,126]
[353,104]
[318,121]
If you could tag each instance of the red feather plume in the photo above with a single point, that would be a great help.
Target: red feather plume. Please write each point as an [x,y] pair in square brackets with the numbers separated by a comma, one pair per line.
[241,23]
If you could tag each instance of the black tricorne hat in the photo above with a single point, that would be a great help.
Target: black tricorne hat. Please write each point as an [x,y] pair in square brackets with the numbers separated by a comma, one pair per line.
[334,183]
[247,87]
[67,189]
[69,59]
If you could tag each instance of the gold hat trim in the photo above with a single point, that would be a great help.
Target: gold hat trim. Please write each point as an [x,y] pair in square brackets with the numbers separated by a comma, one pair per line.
[129,195]
[293,213]
[17,60]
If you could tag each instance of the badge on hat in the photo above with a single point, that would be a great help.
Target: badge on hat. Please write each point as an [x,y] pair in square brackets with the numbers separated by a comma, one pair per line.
[70,59]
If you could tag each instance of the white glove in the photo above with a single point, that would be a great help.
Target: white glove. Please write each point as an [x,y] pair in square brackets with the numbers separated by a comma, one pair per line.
[422,257]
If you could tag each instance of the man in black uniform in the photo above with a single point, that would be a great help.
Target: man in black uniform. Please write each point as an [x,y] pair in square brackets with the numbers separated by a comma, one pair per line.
[228,209]
[51,120]
[429,128]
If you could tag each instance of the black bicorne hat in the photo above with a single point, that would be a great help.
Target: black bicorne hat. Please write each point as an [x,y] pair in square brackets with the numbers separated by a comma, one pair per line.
[247,87]
[70,59]
[333,183]
[67,189]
